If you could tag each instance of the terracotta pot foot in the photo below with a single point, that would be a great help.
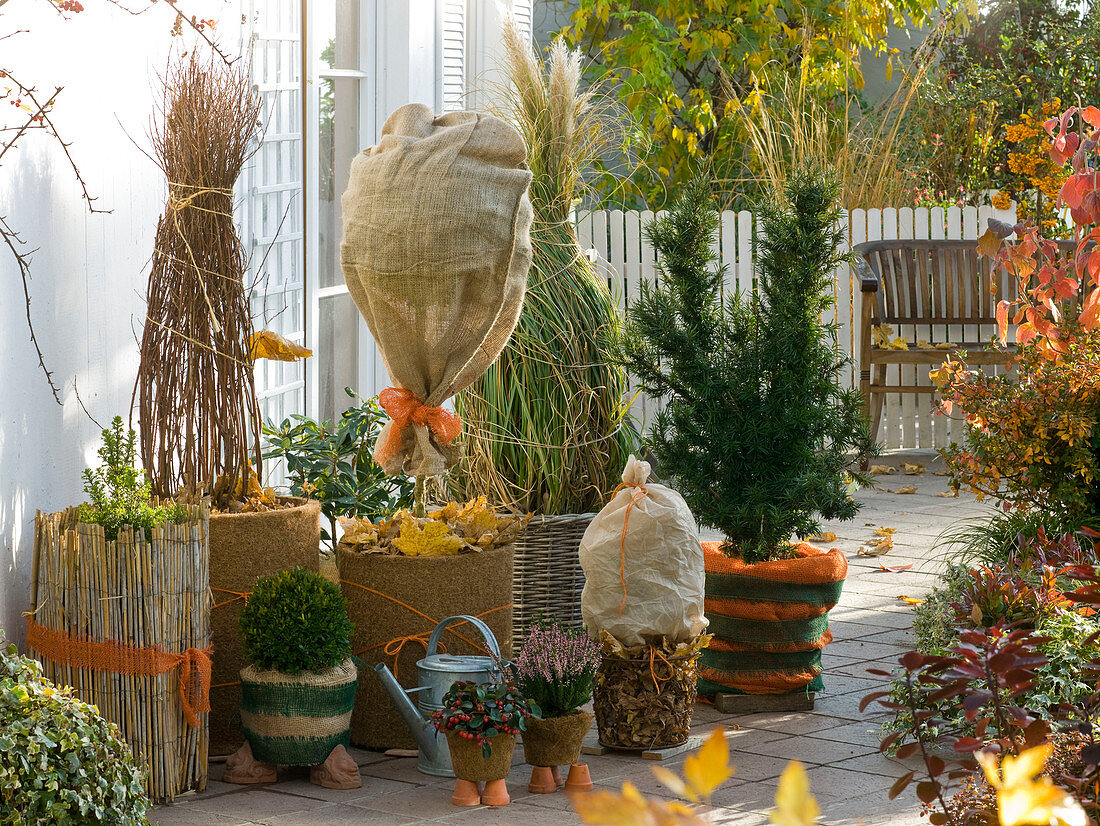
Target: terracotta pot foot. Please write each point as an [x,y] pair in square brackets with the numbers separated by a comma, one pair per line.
[338,771]
[559,781]
[243,768]
[579,779]
[466,794]
[496,793]
[542,780]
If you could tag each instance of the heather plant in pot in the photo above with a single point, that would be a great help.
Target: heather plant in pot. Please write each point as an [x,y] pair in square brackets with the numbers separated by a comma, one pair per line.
[298,690]
[757,433]
[481,722]
[556,669]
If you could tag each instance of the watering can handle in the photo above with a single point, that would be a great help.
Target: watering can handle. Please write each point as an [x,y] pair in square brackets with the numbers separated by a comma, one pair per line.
[486,633]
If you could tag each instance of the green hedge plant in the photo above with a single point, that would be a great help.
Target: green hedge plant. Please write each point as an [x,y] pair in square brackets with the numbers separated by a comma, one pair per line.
[61,763]
[295,621]
[119,493]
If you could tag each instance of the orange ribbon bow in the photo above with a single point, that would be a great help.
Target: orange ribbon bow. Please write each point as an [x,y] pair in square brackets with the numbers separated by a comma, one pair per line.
[404,408]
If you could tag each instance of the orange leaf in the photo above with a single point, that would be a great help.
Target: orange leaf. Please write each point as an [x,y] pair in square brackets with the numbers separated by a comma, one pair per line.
[1090,310]
[270,345]
[1002,320]
[989,243]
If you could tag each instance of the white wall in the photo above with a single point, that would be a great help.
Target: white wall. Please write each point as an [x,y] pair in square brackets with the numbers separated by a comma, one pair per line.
[90,271]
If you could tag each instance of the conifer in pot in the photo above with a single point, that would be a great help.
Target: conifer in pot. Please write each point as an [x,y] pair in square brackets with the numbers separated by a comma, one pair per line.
[757,433]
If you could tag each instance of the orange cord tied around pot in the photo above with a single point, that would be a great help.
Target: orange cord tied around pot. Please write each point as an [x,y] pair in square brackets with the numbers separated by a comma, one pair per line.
[639,492]
[194,664]
[404,408]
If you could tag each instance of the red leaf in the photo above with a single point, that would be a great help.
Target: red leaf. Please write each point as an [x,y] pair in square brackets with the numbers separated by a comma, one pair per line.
[1091,116]
[1025,333]
[901,784]
[1090,310]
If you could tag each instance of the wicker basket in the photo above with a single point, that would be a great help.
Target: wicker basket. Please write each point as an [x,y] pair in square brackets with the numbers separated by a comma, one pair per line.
[547,578]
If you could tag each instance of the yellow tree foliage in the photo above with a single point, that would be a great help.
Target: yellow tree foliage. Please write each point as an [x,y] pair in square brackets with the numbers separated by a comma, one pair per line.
[681,66]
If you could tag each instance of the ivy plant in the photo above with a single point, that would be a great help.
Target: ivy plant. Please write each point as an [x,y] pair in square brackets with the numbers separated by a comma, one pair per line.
[118,492]
[61,763]
[332,463]
[295,621]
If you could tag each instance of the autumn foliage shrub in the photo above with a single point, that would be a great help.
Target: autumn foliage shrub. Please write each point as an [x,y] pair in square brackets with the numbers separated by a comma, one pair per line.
[1032,436]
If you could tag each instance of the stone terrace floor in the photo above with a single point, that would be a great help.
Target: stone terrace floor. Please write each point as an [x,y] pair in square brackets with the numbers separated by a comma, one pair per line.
[837,744]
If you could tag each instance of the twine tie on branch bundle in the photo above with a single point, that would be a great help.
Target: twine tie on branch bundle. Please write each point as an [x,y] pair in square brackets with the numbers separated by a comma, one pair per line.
[404,408]
[194,664]
[640,492]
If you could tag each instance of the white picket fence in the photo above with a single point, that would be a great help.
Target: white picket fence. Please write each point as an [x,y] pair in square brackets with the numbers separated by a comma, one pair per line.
[628,258]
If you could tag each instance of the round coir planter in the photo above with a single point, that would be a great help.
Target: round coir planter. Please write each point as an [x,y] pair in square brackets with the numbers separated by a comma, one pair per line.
[243,548]
[556,741]
[395,602]
[470,765]
[297,719]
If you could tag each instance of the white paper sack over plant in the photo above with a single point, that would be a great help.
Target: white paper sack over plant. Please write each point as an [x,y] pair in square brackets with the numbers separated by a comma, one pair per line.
[660,559]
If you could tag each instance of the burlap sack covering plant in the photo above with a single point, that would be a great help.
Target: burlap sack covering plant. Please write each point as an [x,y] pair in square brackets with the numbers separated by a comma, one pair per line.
[395,602]
[435,253]
[243,548]
[643,564]
[770,621]
[297,720]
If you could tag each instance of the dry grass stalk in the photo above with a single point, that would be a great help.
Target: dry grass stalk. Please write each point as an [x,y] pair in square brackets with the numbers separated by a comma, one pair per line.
[545,424]
[789,125]
[140,593]
[198,412]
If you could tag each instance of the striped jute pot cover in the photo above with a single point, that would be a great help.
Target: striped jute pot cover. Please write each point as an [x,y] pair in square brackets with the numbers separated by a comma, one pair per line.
[770,621]
[297,720]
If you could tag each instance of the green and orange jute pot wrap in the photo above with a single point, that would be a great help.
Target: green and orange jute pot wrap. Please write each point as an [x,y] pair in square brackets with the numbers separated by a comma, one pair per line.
[297,720]
[770,620]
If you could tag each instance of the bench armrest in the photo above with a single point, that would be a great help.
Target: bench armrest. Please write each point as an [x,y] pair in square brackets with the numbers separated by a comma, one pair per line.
[868,280]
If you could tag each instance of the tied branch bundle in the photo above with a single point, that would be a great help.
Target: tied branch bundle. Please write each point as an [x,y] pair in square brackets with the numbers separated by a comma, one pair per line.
[198,411]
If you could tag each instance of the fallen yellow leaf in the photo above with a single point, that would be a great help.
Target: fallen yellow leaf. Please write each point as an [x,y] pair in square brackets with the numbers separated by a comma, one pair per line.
[883,469]
[827,536]
[883,337]
[910,600]
[912,469]
[882,530]
[906,489]
[948,494]
[794,805]
[267,344]
[434,539]
[946,345]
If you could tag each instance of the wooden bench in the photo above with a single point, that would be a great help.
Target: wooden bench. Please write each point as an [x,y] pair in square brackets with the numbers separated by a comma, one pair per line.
[939,291]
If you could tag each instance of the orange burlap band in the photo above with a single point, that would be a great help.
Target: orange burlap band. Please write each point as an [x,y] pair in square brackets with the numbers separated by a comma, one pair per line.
[404,408]
[194,663]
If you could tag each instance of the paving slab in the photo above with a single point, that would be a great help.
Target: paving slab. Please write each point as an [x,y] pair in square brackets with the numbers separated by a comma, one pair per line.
[836,742]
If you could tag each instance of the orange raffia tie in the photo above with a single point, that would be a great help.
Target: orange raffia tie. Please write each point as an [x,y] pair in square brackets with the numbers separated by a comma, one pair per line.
[640,491]
[404,409]
[653,652]
[394,647]
[236,595]
[80,652]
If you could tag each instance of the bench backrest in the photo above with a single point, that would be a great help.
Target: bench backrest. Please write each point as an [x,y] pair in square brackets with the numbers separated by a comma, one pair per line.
[937,282]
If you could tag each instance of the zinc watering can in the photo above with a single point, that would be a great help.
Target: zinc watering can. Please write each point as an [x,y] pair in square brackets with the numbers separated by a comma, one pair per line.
[437,673]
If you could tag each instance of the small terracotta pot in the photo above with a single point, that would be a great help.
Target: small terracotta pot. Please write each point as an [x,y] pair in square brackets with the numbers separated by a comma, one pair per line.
[470,765]
[556,741]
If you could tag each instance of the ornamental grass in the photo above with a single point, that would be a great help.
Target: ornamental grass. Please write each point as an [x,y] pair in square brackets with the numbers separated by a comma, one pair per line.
[547,426]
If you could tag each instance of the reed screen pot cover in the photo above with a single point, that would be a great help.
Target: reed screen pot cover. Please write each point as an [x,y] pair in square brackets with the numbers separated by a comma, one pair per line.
[297,719]
[396,601]
[245,547]
[770,621]
[548,579]
[470,765]
[91,597]
[556,741]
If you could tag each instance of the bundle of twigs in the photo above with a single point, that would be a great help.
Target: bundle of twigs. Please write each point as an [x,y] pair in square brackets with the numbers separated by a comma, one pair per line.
[547,427]
[198,412]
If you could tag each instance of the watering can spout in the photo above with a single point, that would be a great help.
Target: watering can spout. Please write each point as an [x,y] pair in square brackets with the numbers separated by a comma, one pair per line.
[420,726]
